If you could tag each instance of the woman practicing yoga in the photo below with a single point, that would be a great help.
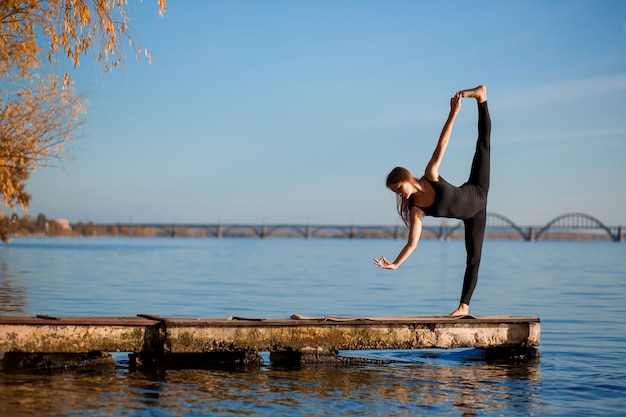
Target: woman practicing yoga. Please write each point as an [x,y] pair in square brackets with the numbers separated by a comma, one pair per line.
[431,195]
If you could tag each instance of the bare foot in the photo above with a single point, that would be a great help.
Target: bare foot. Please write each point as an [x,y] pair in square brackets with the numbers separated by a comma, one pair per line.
[479,93]
[462,310]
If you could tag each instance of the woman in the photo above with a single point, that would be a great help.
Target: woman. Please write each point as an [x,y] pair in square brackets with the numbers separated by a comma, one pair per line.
[431,195]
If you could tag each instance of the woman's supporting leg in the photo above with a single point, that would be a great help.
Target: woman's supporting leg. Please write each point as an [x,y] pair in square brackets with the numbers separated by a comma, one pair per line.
[474,235]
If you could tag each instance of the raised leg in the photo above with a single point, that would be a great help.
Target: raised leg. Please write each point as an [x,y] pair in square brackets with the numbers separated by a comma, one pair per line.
[480,171]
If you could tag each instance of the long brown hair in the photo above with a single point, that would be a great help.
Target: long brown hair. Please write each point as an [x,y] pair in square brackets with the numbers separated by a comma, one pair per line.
[395,177]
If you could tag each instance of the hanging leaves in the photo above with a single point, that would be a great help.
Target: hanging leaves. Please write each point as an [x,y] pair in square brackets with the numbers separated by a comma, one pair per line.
[39,112]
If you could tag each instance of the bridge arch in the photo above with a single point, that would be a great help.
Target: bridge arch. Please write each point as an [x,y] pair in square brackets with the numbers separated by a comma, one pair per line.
[576,221]
[498,221]
[495,221]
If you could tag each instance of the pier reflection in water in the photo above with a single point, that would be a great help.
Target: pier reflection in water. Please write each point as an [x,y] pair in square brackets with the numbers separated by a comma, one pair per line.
[456,382]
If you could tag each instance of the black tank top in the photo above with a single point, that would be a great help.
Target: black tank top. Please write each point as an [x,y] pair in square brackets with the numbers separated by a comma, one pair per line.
[454,202]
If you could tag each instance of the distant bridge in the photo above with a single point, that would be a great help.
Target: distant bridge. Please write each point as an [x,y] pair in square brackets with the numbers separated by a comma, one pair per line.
[573,222]
[496,223]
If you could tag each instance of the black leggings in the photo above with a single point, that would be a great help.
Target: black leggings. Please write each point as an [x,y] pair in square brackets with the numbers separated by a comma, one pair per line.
[475,226]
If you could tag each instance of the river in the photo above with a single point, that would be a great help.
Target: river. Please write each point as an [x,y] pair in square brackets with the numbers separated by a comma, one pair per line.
[578,289]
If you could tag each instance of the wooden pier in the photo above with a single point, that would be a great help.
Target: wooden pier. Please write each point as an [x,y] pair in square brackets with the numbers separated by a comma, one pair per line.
[159,340]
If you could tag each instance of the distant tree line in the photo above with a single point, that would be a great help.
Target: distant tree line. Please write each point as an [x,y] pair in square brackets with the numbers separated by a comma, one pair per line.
[42,226]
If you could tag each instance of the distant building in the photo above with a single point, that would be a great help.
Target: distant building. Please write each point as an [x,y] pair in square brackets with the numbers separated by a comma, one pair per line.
[63,224]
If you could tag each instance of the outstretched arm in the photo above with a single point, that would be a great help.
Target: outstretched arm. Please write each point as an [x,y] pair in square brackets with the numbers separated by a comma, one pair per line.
[415,231]
[432,169]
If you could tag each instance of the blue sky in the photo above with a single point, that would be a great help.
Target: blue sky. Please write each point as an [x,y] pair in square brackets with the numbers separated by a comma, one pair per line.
[295,111]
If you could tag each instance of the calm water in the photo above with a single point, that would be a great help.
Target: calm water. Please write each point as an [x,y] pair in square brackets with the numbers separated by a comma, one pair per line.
[578,289]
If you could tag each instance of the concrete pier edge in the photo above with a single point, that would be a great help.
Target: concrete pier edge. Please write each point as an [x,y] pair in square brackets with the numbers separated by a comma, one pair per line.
[153,340]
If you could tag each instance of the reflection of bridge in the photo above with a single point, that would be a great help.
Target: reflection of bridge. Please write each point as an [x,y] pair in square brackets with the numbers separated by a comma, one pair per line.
[497,224]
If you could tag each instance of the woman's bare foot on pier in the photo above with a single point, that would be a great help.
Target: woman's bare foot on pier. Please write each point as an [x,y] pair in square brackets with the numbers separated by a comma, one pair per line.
[462,310]
[479,93]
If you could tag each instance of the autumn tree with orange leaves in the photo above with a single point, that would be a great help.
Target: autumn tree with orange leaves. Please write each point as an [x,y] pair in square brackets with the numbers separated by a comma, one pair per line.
[39,109]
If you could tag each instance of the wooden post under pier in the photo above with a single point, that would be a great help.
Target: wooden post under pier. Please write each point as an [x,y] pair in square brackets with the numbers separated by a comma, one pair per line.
[159,339]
